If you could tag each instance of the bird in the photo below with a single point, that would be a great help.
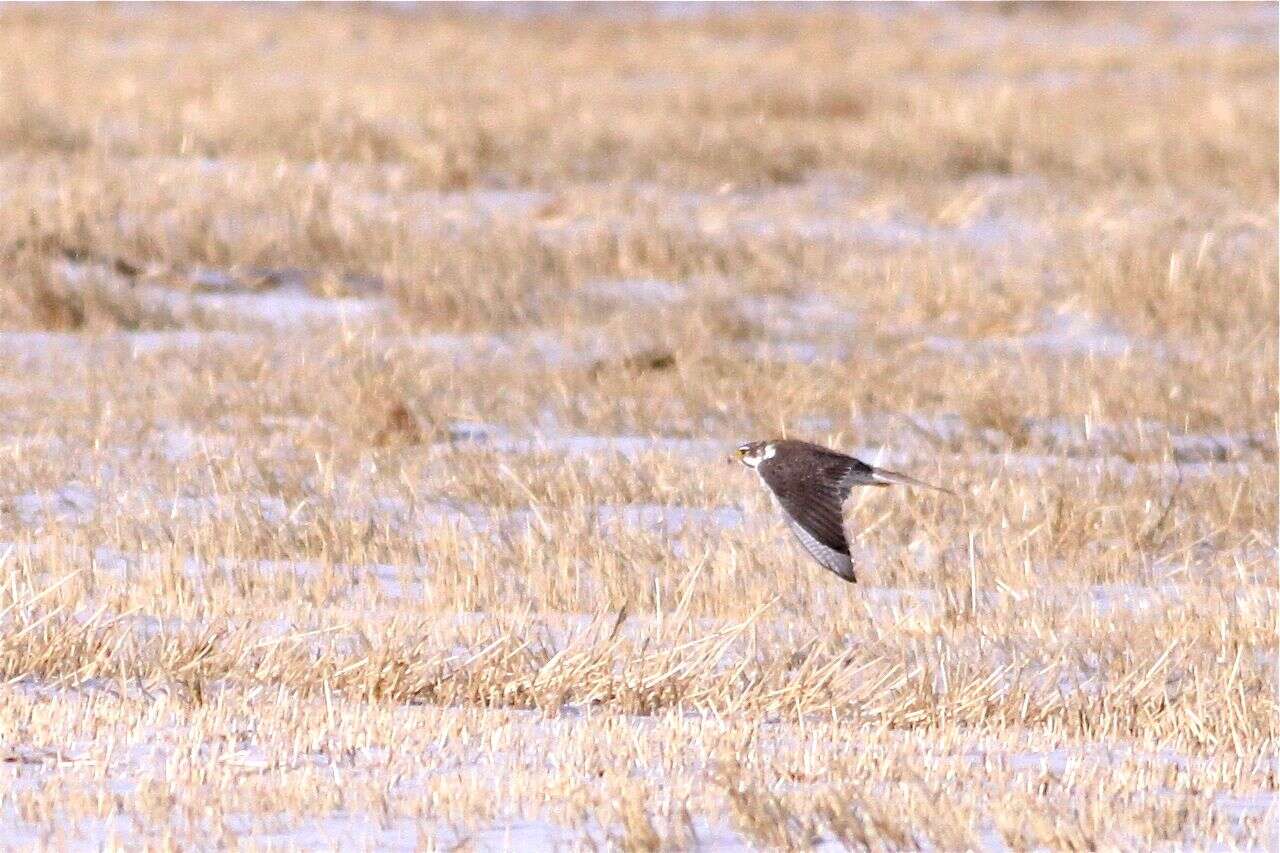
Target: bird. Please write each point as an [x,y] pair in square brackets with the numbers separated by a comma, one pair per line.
[811,484]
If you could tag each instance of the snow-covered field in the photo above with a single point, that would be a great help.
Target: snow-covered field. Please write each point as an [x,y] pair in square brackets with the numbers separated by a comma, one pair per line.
[369,379]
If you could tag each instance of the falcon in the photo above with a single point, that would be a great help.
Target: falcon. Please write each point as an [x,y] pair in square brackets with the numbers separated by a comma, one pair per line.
[811,484]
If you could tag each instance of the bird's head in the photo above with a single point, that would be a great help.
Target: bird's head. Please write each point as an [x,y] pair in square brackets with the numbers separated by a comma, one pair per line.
[753,453]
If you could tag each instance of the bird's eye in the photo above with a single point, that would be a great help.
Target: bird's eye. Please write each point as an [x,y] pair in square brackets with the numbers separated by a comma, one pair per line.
[742,451]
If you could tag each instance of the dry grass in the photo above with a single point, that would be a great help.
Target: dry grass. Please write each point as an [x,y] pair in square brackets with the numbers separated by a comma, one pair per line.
[366,407]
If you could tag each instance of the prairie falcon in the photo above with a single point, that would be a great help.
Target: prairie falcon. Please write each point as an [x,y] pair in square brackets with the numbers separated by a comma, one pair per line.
[811,484]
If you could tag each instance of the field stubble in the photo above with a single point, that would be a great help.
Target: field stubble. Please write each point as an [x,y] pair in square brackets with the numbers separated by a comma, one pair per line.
[367,406]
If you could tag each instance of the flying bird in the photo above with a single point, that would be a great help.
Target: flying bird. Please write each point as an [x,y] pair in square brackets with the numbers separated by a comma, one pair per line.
[811,484]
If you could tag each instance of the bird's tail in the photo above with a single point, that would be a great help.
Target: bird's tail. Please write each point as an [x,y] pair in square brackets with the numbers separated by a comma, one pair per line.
[881,477]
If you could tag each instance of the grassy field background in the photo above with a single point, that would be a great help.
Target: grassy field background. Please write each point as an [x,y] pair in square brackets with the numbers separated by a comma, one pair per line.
[369,378]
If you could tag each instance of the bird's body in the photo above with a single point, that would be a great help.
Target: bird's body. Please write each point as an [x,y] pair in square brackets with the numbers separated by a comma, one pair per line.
[811,484]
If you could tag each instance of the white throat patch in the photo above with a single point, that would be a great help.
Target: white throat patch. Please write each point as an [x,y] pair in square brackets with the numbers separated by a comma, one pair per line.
[753,460]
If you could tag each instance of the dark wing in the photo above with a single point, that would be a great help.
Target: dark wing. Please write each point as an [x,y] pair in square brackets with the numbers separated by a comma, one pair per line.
[833,559]
[811,485]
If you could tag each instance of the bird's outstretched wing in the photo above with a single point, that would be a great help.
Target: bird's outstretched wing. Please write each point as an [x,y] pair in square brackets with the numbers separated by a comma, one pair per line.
[834,559]
[811,490]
